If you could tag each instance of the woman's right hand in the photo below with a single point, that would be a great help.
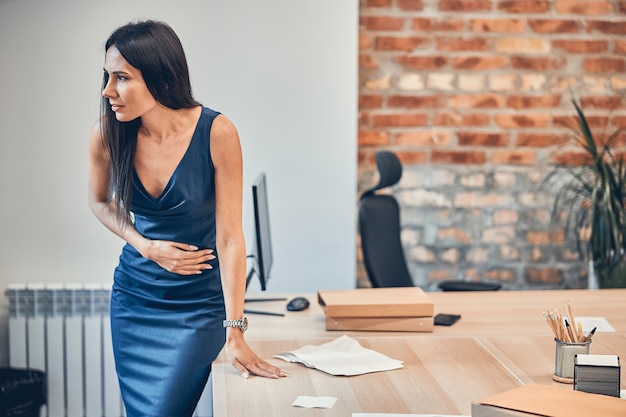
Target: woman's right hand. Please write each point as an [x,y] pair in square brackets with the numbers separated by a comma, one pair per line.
[178,258]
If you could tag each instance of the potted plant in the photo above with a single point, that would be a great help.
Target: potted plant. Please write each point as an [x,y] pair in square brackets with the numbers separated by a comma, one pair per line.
[590,197]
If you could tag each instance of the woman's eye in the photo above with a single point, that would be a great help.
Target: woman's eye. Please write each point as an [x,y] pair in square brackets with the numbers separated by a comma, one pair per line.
[121,78]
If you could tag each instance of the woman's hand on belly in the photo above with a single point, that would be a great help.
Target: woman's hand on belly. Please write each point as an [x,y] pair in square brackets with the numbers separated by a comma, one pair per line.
[178,258]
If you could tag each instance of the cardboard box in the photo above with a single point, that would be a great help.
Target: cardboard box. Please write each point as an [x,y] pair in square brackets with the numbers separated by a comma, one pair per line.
[544,400]
[384,324]
[399,309]
[377,302]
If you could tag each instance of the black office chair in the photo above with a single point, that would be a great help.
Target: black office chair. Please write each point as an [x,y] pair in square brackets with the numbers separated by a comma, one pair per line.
[379,225]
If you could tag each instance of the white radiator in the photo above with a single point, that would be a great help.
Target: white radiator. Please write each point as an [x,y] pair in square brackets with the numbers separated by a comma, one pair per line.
[64,330]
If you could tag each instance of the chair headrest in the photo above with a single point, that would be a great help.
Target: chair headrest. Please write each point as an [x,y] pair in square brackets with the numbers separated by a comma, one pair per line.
[389,168]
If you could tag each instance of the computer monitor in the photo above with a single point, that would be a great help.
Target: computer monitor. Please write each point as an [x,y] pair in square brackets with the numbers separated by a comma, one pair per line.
[263,256]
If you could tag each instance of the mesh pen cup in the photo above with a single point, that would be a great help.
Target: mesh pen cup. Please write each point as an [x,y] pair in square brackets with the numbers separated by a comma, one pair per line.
[564,359]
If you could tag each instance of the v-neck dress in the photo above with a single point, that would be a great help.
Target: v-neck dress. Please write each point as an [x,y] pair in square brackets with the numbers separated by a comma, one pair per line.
[167,328]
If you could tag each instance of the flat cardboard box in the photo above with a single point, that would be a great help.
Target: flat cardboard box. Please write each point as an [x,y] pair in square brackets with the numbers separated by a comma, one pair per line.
[382,324]
[376,302]
[548,401]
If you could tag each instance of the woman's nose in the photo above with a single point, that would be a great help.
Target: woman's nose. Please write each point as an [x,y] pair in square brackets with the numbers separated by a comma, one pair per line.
[108,91]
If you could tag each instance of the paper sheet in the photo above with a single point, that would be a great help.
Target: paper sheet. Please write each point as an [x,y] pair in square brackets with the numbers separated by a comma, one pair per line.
[342,356]
[600,323]
[404,415]
[314,402]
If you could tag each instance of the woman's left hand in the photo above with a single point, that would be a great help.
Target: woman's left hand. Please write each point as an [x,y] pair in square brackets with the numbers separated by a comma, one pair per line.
[246,361]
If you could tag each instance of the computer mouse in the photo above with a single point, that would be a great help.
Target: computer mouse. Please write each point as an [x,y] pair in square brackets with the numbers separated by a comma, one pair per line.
[298,304]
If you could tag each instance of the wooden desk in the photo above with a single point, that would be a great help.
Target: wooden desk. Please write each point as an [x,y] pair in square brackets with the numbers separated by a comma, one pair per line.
[502,341]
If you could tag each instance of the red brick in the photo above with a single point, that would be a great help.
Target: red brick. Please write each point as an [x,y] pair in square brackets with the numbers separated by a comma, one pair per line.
[619,121]
[607,27]
[525,102]
[370,101]
[573,158]
[515,157]
[413,101]
[525,6]
[584,7]
[456,119]
[480,62]
[367,62]
[502,275]
[462,44]
[473,101]
[517,120]
[540,140]
[410,5]
[398,43]
[554,26]
[620,46]
[597,102]
[422,62]
[458,157]
[423,138]
[399,120]
[543,275]
[411,157]
[454,234]
[541,237]
[463,6]
[365,42]
[423,24]
[580,46]
[482,139]
[376,3]
[381,23]
[571,122]
[497,25]
[605,64]
[371,138]
[536,64]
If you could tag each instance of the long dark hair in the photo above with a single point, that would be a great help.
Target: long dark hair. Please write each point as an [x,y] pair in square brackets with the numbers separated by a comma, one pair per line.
[154,49]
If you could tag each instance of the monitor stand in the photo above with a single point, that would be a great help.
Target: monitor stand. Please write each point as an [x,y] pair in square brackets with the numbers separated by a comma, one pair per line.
[265,313]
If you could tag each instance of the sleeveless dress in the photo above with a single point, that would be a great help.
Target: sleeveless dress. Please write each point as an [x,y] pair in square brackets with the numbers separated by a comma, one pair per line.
[167,328]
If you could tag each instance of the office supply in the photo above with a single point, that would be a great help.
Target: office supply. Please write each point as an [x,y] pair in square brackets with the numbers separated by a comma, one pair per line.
[597,374]
[298,304]
[544,400]
[564,359]
[443,319]
[376,302]
[314,402]
[378,309]
[342,356]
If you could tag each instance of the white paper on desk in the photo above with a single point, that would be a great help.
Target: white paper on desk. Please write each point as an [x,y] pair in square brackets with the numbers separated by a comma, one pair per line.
[600,323]
[314,402]
[403,415]
[342,356]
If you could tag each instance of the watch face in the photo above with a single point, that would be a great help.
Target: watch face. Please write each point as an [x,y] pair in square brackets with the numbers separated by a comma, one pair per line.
[244,324]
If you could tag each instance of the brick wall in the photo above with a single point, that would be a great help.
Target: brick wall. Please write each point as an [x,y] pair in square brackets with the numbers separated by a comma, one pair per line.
[474,96]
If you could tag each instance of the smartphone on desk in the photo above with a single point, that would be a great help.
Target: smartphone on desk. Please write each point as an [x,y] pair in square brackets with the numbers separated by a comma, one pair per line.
[442,319]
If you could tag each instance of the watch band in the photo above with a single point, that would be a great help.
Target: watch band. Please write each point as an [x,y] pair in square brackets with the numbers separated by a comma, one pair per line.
[242,323]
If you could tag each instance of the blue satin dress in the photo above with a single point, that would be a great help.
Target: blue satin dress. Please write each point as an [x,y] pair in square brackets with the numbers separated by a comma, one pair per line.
[167,328]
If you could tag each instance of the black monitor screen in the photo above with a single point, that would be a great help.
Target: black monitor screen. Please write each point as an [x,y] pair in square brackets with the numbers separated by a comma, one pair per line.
[263,239]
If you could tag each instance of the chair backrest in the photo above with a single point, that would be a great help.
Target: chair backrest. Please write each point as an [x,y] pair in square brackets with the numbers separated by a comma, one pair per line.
[379,226]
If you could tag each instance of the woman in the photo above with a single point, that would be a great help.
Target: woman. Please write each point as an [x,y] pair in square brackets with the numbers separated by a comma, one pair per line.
[165,175]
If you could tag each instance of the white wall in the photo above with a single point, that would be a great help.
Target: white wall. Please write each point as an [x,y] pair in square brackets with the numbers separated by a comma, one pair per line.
[284,71]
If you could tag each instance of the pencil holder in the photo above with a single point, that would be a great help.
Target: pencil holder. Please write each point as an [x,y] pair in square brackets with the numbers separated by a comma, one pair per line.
[564,360]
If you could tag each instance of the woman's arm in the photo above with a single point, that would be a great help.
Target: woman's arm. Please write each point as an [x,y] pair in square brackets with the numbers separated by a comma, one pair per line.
[180,258]
[227,159]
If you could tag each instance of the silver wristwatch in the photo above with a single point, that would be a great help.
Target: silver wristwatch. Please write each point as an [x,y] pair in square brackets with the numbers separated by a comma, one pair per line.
[242,323]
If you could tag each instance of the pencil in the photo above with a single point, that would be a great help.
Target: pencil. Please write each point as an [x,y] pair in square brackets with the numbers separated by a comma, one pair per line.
[590,335]
[570,314]
[570,332]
